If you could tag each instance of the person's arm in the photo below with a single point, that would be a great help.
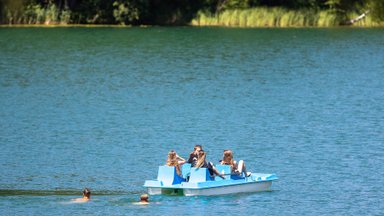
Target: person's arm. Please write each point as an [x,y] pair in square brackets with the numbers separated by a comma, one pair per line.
[216,171]
[179,158]
[234,167]
[181,162]
[234,163]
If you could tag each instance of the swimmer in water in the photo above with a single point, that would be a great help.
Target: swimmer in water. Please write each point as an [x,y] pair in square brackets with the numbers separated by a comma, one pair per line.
[86,196]
[143,200]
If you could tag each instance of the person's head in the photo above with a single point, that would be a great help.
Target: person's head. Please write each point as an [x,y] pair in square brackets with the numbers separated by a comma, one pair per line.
[172,160]
[201,158]
[87,193]
[144,198]
[172,155]
[197,148]
[227,157]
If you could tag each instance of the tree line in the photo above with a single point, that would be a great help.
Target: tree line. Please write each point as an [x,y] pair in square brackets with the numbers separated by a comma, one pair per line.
[162,12]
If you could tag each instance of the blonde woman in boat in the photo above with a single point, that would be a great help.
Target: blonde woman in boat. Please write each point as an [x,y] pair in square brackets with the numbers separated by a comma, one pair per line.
[175,160]
[236,168]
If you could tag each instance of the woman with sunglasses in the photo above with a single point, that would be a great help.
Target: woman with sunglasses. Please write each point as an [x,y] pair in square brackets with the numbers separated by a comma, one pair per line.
[176,161]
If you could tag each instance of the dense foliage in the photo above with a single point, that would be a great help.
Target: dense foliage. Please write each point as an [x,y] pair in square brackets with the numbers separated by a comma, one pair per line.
[163,12]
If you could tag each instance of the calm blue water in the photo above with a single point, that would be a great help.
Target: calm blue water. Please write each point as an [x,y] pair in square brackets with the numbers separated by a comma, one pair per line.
[101,107]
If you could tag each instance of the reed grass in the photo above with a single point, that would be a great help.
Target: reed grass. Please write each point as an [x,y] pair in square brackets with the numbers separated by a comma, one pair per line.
[35,14]
[276,17]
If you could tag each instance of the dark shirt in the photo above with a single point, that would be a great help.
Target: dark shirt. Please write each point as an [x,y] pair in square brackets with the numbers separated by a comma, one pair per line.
[209,166]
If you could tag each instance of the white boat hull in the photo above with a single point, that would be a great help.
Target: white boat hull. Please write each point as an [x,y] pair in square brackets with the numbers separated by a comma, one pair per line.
[243,188]
[200,183]
[154,191]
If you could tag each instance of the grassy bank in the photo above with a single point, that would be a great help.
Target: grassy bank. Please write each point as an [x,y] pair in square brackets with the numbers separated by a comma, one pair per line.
[278,17]
[51,16]
[36,14]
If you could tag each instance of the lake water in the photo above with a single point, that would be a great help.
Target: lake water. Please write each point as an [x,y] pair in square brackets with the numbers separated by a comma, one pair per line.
[101,108]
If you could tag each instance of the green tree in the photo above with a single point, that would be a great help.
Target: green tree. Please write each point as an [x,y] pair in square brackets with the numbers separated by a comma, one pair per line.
[125,12]
[233,4]
[377,9]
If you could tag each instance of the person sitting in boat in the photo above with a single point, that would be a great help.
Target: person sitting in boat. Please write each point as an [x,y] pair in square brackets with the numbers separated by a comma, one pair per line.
[86,196]
[176,161]
[194,155]
[202,163]
[236,168]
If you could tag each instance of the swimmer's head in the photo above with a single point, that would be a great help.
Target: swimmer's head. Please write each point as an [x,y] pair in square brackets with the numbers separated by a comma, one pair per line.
[144,198]
[87,193]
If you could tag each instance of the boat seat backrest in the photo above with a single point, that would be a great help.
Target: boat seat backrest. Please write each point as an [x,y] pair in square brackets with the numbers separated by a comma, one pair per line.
[186,170]
[168,176]
[199,175]
[223,169]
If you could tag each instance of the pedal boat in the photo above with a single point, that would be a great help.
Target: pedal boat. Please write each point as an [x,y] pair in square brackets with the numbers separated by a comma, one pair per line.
[200,182]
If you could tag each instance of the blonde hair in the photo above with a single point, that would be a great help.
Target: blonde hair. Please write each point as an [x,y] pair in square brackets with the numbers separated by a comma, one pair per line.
[144,197]
[228,159]
[172,161]
[200,159]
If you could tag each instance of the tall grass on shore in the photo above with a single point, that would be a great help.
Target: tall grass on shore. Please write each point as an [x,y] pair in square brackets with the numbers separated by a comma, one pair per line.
[36,14]
[274,17]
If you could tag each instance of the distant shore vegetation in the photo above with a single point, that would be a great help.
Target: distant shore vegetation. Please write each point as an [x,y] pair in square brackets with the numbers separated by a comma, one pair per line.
[235,13]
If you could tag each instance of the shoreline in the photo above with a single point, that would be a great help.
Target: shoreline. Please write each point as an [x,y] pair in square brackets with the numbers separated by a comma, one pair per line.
[70,25]
[172,26]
